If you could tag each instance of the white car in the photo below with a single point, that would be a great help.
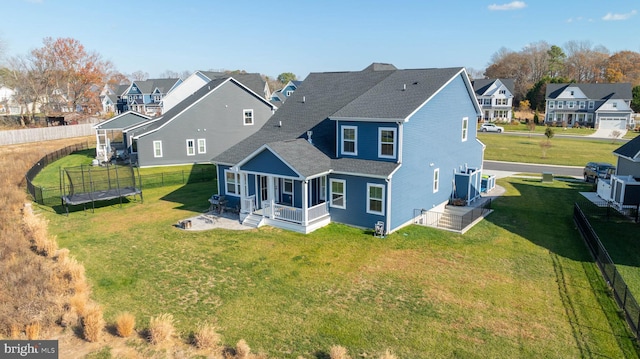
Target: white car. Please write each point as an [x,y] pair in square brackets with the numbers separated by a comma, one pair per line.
[491,127]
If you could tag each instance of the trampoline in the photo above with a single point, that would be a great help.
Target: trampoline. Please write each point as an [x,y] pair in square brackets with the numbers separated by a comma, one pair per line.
[89,184]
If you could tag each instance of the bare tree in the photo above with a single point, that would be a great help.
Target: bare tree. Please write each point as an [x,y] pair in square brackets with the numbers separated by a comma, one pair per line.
[585,63]
[537,55]
[139,75]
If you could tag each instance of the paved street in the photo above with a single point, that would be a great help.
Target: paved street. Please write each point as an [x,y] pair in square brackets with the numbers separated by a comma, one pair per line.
[505,169]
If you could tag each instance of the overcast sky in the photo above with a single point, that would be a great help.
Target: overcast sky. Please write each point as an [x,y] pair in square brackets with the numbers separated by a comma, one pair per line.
[302,36]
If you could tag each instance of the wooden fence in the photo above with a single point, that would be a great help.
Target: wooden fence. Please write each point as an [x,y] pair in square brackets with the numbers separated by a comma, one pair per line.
[28,135]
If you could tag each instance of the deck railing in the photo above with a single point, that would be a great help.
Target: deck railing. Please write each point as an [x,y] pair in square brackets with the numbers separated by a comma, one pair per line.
[248,204]
[293,214]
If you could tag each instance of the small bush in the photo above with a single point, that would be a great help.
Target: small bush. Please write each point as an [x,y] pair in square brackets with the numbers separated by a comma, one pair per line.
[206,337]
[161,329]
[33,331]
[92,323]
[242,350]
[339,352]
[125,324]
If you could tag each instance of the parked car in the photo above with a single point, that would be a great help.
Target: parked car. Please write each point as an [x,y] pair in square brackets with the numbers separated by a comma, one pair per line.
[491,127]
[594,170]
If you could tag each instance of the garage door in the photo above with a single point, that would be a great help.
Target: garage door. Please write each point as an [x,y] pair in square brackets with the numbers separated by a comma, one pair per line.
[613,123]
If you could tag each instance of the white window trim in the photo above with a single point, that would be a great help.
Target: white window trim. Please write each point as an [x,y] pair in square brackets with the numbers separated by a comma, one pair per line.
[465,128]
[155,153]
[436,180]
[355,140]
[344,193]
[191,151]
[591,105]
[395,142]
[369,210]
[244,118]
[560,104]
[236,183]
[202,144]
[323,188]
[552,104]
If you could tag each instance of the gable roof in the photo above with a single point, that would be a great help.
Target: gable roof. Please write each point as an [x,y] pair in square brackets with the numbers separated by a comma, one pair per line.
[481,86]
[188,102]
[322,96]
[593,91]
[148,86]
[253,81]
[630,150]
[122,121]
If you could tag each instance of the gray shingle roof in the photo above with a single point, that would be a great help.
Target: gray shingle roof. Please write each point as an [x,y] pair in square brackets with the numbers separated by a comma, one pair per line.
[630,149]
[253,81]
[341,94]
[148,86]
[480,86]
[594,91]
[122,121]
[313,162]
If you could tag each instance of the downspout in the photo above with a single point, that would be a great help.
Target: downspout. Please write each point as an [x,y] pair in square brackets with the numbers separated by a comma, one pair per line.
[388,205]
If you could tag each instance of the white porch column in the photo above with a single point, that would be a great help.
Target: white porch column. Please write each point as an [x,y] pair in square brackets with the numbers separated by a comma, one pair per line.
[271,194]
[305,202]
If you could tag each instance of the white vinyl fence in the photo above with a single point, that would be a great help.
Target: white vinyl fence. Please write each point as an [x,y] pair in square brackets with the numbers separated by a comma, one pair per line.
[13,137]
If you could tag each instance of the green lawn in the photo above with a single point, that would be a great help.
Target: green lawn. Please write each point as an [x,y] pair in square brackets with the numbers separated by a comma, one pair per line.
[519,284]
[563,151]
[574,131]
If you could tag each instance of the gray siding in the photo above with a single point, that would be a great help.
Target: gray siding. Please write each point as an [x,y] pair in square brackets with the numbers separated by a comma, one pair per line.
[218,119]
[628,168]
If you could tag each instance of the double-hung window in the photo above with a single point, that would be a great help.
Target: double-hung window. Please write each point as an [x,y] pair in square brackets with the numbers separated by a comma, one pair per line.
[552,104]
[191,149]
[157,149]
[465,128]
[375,198]
[338,193]
[248,117]
[202,145]
[349,140]
[591,105]
[387,142]
[232,183]
[287,186]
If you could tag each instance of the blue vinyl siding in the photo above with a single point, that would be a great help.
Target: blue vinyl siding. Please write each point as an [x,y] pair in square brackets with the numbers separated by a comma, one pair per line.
[433,135]
[367,139]
[355,213]
[267,162]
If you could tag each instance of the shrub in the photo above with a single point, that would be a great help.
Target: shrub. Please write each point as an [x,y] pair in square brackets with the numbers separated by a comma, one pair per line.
[125,324]
[33,331]
[161,328]
[338,352]
[92,323]
[242,350]
[206,337]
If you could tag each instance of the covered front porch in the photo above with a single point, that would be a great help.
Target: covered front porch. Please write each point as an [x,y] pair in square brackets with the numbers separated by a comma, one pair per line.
[295,204]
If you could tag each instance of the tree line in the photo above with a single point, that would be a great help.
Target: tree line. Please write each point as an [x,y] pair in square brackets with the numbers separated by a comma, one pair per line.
[540,63]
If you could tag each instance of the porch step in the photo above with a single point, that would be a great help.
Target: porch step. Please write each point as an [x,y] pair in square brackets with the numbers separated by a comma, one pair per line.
[252,220]
[449,221]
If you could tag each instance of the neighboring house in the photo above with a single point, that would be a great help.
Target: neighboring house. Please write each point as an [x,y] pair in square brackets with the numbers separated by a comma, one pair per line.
[146,96]
[8,105]
[495,97]
[371,147]
[281,95]
[195,81]
[214,118]
[603,106]
[623,189]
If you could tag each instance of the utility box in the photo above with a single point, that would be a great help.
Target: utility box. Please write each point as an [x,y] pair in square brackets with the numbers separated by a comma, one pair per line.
[547,177]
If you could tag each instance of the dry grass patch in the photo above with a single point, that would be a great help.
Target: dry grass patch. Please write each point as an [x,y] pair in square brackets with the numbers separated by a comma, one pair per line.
[242,350]
[339,352]
[33,331]
[92,323]
[161,329]
[388,355]
[206,337]
[125,324]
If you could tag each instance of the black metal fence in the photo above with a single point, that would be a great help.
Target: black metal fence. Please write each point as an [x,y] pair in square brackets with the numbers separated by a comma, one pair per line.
[50,196]
[621,293]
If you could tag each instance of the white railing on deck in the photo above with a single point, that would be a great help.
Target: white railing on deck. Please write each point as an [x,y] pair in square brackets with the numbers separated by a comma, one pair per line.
[317,211]
[248,204]
[287,213]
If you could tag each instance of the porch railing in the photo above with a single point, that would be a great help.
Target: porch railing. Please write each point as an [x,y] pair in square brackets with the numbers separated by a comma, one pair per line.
[248,204]
[293,214]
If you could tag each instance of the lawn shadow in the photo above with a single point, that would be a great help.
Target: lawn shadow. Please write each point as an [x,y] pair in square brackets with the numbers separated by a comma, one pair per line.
[192,196]
[542,214]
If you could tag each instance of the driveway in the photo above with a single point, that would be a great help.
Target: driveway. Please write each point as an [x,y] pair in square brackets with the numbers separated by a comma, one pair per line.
[607,133]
